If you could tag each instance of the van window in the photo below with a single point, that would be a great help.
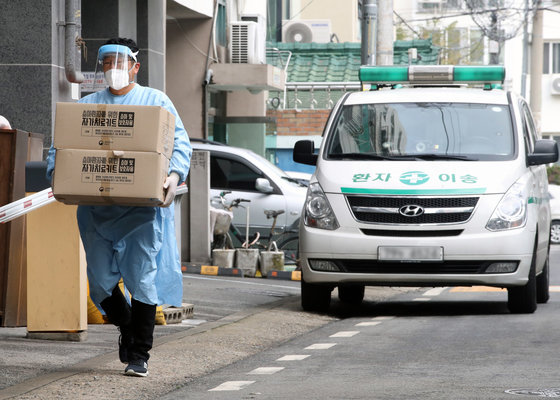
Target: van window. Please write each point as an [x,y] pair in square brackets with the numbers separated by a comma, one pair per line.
[529,130]
[414,130]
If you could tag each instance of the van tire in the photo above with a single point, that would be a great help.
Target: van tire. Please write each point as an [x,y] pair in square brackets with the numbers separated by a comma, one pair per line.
[523,299]
[351,294]
[543,282]
[315,297]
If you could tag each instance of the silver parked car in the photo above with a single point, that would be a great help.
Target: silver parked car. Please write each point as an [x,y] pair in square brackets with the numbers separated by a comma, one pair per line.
[249,176]
[554,195]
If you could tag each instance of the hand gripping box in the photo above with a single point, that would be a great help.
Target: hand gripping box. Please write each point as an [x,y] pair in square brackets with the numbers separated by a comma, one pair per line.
[114,127]
[108,177]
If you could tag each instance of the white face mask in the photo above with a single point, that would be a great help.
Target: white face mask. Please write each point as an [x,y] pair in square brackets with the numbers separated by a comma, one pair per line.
[117,78]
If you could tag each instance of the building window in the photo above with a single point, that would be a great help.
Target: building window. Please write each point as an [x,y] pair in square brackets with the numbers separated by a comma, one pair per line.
[551,58]
[221,24]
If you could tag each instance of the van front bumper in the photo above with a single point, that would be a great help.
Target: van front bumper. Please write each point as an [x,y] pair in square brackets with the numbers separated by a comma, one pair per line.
[351,257]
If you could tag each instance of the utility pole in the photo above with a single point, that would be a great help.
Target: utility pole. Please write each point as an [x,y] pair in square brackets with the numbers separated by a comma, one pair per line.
[537,65]
[385,32]
[525,50]
[369,32]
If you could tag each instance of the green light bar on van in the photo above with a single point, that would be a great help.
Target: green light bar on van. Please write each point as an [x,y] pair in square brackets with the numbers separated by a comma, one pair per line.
[432,74]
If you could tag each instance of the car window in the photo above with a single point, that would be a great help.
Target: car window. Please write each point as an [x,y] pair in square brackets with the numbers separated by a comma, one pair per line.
[474,131]
[231,174]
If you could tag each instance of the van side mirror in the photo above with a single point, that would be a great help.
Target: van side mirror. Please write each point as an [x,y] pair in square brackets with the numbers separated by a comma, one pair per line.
[263,185]
[546,152]
[304,152]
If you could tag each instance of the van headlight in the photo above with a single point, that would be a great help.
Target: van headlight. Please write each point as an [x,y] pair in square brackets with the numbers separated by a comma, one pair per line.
[511,211]
[318,211]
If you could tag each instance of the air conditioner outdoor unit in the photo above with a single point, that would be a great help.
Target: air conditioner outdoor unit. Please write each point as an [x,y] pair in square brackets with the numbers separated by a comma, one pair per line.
[306,31]
[555,85]
[244,43]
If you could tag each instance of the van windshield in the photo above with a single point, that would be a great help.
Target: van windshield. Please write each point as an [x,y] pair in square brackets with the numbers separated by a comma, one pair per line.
[422,131]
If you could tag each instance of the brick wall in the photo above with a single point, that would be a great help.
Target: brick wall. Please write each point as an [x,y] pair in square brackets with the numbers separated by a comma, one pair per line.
[298,123]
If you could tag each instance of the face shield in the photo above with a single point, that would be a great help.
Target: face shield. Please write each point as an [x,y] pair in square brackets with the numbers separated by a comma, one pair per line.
[114,64]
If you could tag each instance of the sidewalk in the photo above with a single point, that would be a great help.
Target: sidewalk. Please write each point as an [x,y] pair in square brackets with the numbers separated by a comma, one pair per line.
[46,369]
[42,369]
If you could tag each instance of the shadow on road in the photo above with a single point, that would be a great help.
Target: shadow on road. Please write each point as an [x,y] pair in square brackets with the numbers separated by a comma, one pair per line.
[415,308]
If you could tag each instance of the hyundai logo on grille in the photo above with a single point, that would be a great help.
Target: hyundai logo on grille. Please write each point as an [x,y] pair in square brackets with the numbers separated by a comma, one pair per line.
[411,211]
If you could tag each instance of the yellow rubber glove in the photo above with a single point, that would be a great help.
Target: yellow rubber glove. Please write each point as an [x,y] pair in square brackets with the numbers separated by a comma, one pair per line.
[170,187]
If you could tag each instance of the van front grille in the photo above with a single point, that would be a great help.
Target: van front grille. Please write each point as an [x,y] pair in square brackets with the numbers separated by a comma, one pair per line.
[411,210]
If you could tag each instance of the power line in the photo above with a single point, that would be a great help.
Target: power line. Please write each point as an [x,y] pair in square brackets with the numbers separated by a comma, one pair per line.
[406,23]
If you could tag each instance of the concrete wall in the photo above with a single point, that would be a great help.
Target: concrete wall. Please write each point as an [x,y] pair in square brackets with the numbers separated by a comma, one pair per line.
[187,44]
[513,56]
[140,20]
[344,19]
[32,77]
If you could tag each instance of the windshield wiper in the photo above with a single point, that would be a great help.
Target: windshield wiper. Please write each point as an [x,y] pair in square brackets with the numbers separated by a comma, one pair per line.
[369,156]
[431,156]
[294,180]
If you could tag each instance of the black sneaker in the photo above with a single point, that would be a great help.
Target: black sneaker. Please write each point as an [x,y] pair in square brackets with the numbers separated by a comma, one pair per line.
[125,341]
[137,368]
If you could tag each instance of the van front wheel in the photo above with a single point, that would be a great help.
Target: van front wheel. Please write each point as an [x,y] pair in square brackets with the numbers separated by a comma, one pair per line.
[523,299]
[315,297]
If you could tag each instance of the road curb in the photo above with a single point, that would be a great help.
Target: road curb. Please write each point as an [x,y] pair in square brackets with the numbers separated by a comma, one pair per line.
[285,275]
[222,271]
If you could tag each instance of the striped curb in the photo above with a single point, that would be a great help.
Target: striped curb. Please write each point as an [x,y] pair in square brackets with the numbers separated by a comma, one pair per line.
[285,275]
[211,270]
[222,271]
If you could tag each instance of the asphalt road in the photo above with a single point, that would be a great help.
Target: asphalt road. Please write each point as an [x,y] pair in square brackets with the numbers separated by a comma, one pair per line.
[443,343]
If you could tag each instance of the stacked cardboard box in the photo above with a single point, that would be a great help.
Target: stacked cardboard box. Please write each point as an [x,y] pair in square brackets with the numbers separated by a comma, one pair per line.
[111,154]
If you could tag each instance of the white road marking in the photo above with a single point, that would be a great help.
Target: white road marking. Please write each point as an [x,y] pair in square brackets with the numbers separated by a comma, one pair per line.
[345,334]
[232,385]
[320,346]
[384,318]
[435,291]
[293,357]
[554,288]
[193,322]
[422,299]
[372,323]
[265,370]
[240,282]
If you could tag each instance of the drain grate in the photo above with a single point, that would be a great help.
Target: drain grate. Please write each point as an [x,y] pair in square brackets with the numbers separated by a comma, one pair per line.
[535,392]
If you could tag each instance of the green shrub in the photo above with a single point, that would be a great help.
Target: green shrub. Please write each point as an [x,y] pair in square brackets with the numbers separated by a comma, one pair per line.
[553,174]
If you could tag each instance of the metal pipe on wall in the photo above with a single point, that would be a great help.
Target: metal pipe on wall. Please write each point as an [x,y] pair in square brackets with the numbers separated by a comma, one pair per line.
[369,32]
[71,37]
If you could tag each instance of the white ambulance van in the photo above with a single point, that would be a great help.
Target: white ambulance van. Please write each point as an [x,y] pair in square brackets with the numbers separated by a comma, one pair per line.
[435,176]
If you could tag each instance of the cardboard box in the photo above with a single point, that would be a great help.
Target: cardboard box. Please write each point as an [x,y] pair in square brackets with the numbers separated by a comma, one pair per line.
[105,177]
[114,127]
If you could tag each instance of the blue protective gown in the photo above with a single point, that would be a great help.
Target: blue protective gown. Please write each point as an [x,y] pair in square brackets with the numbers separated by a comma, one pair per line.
[135,243]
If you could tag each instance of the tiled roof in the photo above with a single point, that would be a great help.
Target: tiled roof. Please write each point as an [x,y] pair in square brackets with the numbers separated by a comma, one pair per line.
[339,62]
[332,62]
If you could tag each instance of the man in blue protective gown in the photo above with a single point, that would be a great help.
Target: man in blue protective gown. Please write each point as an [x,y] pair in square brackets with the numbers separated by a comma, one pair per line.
[135,243]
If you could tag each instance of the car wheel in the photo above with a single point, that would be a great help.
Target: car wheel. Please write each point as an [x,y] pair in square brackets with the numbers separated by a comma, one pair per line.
[523,299]
[351,294]
[315,297]
[543,282]
[555,232]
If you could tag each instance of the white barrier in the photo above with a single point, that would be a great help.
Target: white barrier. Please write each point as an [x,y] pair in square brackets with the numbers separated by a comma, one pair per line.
[23,206]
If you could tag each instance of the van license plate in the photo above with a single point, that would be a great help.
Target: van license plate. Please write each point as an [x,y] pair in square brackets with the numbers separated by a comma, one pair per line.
[402,253]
